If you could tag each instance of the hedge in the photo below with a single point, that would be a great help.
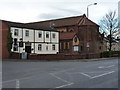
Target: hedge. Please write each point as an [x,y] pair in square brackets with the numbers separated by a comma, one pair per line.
[110,53]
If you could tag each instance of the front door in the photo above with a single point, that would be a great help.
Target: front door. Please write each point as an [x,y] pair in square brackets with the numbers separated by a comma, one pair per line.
[28,49]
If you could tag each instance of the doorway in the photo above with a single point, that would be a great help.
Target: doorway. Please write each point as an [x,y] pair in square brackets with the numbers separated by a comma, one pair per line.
[28,47]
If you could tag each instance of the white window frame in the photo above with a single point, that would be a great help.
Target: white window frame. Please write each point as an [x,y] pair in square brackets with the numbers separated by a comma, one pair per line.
[16,32]
[15,46]
[39,34]
[47,34]
[27,33]
[53,47]
[39,47]
[75,48]
[54,35]
[47,48]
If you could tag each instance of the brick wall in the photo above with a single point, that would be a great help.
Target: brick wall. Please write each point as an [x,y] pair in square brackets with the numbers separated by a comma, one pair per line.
[56,57]
[4,30]
[62,57]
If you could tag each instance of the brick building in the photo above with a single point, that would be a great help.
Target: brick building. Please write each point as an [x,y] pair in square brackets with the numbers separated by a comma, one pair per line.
[78,35]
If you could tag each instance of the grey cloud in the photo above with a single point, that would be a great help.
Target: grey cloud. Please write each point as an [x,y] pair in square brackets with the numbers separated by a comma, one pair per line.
[49,16]
[59,13]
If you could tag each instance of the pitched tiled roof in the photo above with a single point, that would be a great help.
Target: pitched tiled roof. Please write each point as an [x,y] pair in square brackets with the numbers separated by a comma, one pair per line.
[67,36]
[27,26]
[77,20]
[86,21]
[59,22]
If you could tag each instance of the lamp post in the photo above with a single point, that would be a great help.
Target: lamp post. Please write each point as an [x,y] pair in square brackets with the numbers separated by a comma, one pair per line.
[88,8]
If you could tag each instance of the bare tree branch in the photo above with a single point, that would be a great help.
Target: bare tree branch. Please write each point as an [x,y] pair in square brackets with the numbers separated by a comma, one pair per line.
[109,25]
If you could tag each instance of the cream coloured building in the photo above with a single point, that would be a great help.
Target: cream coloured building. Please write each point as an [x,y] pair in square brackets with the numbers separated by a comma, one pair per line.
[34,39]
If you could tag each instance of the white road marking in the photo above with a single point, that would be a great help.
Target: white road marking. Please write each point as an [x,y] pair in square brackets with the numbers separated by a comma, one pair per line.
[9,81]
[86,75]
[106,66]
[102,75]
[17,83]
[14,80]
[63,80]
[64,85]
[63,71]
[59,78]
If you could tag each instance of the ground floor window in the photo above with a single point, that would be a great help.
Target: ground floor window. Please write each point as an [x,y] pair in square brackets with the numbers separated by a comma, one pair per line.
[47,48]
[15,48]
[39,47]
[75,48]
[53,47]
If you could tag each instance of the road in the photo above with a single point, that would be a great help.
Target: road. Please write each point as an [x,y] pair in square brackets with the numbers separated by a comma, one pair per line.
[61,74]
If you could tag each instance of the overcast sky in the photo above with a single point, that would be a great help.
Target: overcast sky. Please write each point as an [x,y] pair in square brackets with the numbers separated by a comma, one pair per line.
[39,10]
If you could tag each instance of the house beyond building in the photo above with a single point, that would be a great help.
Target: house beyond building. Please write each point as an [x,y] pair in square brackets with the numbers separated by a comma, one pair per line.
[78,35]
[29,38]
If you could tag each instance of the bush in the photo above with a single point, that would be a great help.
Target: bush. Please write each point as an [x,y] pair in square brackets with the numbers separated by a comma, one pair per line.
[110,53]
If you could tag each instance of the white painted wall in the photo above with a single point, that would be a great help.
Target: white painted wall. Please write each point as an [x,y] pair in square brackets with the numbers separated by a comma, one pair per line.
[47,39]
[29,38]
[51,41]
[56,39]
[37,39]
[18,37]
[19,33]
[44,51]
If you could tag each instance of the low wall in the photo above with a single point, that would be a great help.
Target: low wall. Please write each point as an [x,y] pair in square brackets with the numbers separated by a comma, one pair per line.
[55,57]
[15,56]
[62,57]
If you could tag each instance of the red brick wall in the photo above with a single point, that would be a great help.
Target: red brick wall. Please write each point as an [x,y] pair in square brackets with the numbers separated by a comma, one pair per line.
[15,56]
[62,57]
[3,42]
[56,57]
[89,34]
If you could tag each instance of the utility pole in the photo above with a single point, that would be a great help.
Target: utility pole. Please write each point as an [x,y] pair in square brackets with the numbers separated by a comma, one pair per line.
[110,39]
[88,8]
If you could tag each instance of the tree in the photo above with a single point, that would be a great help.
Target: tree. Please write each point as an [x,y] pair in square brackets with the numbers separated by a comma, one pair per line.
[109,26]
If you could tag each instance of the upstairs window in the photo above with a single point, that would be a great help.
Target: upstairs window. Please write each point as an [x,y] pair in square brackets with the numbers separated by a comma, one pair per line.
[53,35]
[39,47]
[27,33]
[47,34]
[39,34]
[16,32]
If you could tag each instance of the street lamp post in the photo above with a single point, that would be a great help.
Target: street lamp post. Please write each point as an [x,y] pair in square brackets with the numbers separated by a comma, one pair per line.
[88,8]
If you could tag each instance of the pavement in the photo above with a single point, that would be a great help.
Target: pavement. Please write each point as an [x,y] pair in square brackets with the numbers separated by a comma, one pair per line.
[83,60]
[102,73]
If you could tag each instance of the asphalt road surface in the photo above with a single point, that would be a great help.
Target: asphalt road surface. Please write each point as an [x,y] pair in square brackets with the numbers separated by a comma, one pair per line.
[61,74]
